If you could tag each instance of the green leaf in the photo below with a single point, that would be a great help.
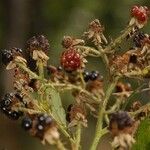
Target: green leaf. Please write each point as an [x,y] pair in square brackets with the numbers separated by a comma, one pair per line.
[131,99]
[143,136]
[57,109]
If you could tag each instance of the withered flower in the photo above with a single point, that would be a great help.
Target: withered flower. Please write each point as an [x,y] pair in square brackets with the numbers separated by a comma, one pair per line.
[40,43]
[76,113]
[38,47]
[95,32]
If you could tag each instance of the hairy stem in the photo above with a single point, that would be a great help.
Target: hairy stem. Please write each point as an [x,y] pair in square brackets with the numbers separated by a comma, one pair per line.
[99,127]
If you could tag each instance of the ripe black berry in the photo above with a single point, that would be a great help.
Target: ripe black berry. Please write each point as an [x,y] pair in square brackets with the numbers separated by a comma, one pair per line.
[7,57]
[40,127]
[133,59]
[122,119]
[94,75]
[26,123]
[44,119]
[86,76]
[138,38]
[68,117]
[69,107]
[14,115]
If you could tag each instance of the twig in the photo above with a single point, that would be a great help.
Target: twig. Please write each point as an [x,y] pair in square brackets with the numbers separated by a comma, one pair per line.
[99,127]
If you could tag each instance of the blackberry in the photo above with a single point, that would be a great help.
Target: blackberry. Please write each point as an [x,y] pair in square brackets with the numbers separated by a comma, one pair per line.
[86,76]
[48,120]
[133,59]
[44,119]
[14,115]
[38,43]
[70,60]
[7,57]
[17,50]
[69,107]
[19,97]
[26,123]
[140,13]
[40,127]
[7,100]
[122,119]
[32,83]
[138,38]
[94,75]
[68,117]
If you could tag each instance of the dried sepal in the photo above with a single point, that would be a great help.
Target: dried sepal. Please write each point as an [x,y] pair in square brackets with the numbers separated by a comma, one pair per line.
[123,141]
[40,55]
[69,41]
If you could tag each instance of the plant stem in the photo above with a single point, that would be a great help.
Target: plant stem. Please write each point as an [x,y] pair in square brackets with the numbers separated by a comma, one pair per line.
[99,127]
[40,68]
[78,136]
[71,86]
[60,145]
[24,68]
[118,40]
[89,50]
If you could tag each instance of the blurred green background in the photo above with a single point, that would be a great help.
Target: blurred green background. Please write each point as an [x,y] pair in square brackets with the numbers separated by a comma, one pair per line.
[21,19]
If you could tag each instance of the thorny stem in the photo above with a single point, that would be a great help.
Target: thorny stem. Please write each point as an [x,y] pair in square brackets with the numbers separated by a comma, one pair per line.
[99,127]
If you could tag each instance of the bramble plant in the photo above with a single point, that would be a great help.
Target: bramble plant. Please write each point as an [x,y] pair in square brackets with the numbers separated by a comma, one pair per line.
[37,102]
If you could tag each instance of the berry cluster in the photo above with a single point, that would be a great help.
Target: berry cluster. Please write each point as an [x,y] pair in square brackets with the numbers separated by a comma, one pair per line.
[120,121]
[8,55]
[138,38]
[93,75]
[6,104]
[71,60]
[141,13]
[37,124]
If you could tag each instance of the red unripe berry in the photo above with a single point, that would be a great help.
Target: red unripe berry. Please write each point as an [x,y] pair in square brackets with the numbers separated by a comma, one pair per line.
[71,60]
[142,17]
[140,13]
[134,10]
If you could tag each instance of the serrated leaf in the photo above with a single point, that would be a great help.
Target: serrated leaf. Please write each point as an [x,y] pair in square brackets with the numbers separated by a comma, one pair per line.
[57,109]
[143,136]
